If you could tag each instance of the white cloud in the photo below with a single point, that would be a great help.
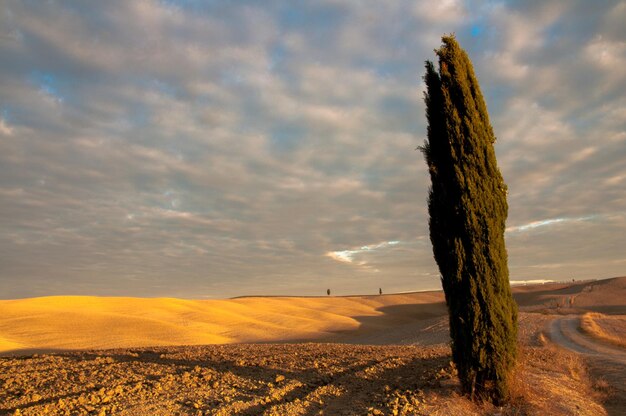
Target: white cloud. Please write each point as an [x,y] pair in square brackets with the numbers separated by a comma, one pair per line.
[445,11]
[348,256]
[5,128]
[606,54]
[548,222]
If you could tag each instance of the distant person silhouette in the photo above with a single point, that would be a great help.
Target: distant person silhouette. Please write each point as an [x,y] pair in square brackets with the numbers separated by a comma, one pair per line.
[380,290]
[328,292]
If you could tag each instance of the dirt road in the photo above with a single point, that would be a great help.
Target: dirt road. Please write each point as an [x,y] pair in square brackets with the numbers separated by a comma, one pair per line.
[606,362]
[565,332]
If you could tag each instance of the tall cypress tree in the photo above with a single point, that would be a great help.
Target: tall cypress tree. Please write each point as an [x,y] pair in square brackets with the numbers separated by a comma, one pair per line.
[468,209]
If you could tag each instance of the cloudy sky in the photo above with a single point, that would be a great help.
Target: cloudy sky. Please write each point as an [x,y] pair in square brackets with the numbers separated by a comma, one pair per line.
[212,149]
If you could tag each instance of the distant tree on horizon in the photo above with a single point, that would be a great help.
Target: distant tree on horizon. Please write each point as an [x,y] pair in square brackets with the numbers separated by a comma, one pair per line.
[468,209]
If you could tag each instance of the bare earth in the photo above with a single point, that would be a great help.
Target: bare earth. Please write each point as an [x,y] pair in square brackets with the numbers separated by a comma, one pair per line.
[403,368]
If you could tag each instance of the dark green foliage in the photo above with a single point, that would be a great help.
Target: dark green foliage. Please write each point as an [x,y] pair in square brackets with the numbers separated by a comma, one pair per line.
[468,209]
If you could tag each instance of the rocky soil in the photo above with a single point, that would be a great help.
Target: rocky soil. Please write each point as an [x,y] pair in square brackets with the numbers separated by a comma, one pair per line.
[286,379]
[280,379]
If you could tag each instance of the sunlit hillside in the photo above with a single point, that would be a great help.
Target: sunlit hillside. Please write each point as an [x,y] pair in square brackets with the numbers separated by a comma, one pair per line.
[70,322]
